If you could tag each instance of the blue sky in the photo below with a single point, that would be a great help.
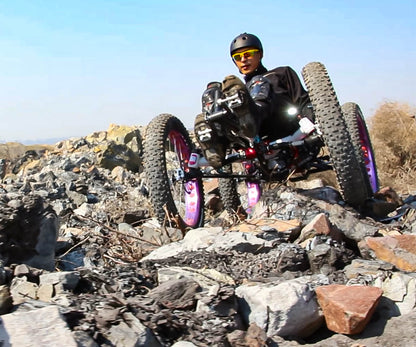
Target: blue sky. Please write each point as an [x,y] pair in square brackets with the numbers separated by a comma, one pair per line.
[69,68]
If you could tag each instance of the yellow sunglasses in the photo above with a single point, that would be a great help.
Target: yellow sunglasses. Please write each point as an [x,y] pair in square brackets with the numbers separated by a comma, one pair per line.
[245,54]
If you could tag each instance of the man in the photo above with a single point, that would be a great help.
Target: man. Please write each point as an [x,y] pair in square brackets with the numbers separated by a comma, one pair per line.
[267,95]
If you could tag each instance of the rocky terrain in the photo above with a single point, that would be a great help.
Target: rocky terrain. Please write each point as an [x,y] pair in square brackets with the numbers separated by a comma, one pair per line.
[84,263]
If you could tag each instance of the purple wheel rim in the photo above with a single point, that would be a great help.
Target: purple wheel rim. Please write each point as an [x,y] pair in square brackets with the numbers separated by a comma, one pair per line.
[190,189]
[368,155]
[253,195]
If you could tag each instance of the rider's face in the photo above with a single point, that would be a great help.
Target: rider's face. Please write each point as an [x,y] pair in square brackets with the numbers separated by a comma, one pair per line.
[248,63]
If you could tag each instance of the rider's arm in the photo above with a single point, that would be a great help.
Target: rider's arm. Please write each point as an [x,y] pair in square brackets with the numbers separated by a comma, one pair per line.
[295,88]
[261,93]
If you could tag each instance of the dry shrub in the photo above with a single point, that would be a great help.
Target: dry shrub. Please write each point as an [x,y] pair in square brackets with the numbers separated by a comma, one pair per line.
[393,135]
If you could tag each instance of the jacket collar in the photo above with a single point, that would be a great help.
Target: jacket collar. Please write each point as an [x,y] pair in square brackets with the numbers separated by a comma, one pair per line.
[260,70]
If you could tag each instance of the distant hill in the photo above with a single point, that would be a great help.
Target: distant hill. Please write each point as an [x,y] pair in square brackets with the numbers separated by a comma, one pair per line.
[13,150]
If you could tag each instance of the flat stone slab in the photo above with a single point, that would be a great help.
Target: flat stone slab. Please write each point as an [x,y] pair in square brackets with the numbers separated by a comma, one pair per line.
[41,327]
[399,250]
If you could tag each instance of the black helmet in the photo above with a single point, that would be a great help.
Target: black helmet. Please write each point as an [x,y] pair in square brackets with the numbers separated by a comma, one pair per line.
[245,40]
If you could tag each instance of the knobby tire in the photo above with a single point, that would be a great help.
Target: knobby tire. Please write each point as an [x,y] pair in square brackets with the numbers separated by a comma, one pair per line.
[352,182]
[166,148]
[362,144]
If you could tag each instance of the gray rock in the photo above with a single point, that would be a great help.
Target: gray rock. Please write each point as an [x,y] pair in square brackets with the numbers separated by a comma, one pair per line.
[68,280]
[176,293]
[29,233]
[208,279]
[6,301]
[287,308]
[46,243]
[41,327]
[83,339]
[350,224]
[370,269]
[183,344]
[21,290]
[401,289]
[131,333]
[211,239]
[45,292]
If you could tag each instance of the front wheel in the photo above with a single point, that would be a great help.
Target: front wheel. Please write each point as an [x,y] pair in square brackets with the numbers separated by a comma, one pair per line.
[177,197]
[353,183]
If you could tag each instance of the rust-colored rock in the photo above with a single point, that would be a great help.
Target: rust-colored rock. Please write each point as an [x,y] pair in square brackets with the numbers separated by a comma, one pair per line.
[257,224]
[319,225]
[253,337]
[347,309]
[399,250]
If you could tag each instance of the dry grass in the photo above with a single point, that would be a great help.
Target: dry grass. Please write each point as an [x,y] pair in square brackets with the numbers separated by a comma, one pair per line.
[393,135]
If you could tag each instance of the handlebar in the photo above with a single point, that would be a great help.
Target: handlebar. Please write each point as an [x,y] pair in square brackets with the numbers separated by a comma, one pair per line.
[216,115]
[227,104]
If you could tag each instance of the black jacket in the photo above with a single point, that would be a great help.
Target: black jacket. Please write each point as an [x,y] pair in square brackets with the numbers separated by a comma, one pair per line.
[273,92]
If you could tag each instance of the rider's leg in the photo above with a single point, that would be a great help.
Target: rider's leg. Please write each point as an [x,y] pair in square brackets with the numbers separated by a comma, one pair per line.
[209,134]
[244,111]
[211,143]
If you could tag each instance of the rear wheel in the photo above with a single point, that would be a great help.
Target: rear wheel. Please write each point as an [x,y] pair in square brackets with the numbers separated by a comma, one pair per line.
[238,199]
[353,184]
[176,197]
[362,143]
[230,197]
